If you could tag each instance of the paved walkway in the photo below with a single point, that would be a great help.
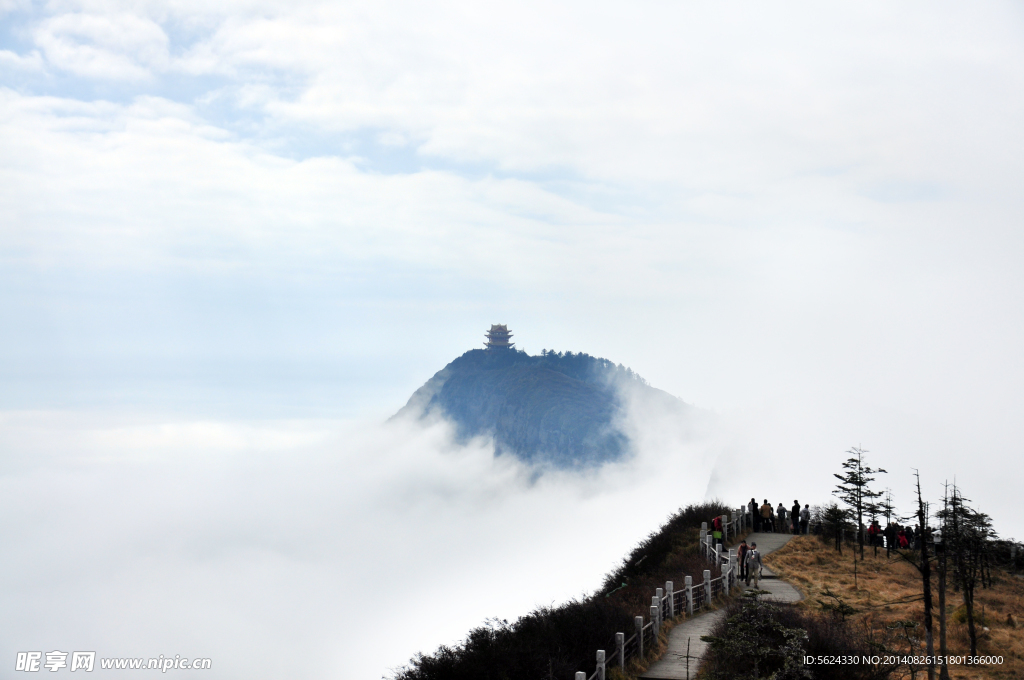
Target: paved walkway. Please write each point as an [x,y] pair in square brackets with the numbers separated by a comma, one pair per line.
[673,663]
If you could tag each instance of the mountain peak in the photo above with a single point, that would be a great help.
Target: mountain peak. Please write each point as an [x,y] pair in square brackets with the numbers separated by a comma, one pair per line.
[558,408]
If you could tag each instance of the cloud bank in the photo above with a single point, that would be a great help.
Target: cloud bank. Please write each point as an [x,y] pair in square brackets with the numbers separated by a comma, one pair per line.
[302,549]
[266,221]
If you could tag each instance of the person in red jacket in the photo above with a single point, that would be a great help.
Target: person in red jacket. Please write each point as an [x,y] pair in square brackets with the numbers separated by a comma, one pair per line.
[874,533]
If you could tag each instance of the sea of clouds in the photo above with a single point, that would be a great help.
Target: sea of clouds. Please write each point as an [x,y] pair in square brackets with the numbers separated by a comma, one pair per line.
[305,549]
[232,229]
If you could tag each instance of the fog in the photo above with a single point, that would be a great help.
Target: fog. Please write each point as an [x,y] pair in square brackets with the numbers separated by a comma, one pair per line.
[306,549]
[235,237]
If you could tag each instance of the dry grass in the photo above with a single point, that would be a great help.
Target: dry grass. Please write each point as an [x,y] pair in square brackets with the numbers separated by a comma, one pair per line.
[881,585]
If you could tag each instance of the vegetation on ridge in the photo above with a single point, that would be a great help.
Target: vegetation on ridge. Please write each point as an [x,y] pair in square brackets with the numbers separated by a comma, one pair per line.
[883,602]
[560,640]
[555,407]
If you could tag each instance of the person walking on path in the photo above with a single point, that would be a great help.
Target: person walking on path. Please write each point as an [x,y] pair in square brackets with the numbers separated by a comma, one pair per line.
[742,555]
[684,646]
[766,516]
[781,513]
[805,518]
[794,516]
[753,565]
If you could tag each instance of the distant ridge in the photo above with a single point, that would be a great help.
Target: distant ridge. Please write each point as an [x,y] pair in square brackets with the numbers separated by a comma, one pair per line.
[558,408]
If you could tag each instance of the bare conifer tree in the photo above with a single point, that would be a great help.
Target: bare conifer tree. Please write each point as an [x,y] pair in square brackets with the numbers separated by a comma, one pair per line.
[926,576]
[967,534]
[887,508]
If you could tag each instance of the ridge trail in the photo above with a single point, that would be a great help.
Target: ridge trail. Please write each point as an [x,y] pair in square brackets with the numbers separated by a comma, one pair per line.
[673,663]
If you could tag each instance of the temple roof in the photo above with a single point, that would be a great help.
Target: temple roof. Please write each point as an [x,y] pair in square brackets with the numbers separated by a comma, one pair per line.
[498,336]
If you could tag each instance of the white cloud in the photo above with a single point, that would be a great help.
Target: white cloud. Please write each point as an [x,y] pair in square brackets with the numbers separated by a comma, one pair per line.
[113,46]
[285,548]
[30,62]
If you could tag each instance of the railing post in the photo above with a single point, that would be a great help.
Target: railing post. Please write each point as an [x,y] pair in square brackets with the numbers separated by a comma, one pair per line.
[620,644]
[707,586]
[656,628]
[656,610]
[732,568]
[600,664]
[725,528]
[718,555]
[580,675]
[671,599]
[703,537]
[639,623]
[688,585]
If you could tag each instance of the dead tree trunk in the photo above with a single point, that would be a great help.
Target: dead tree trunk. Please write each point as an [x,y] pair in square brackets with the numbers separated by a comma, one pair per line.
[926,580]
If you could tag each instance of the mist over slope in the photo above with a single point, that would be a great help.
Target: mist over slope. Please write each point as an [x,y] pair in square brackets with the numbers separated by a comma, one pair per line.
[565,409]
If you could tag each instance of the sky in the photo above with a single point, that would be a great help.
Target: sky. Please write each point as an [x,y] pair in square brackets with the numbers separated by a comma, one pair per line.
[236,236]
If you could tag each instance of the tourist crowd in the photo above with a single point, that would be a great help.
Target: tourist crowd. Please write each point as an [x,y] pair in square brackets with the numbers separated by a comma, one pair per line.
[894,535]
[780,520]
[797,520]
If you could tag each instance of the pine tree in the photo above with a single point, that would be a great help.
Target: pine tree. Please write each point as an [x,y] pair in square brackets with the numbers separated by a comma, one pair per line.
[855,490]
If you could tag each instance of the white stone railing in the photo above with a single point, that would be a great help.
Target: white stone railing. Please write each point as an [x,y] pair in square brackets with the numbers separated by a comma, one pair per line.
[667,603]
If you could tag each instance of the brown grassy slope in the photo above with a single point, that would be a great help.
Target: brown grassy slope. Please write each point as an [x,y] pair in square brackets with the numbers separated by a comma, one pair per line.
[812,566]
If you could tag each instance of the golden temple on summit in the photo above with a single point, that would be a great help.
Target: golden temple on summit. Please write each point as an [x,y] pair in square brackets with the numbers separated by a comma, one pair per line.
[497,337]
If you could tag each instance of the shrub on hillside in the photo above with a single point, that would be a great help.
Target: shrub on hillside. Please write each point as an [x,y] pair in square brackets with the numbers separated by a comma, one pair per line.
[761,639]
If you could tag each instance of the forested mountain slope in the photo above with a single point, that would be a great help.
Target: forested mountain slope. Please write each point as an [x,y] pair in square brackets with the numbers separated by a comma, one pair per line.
[562,408]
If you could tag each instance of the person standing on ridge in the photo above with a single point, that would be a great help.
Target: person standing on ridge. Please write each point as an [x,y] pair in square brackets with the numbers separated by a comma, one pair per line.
[805,518]
[781,513]
[794,516]
[755,524]
[766,515]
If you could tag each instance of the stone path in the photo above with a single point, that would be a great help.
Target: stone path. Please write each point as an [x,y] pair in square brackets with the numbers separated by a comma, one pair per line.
[673,663]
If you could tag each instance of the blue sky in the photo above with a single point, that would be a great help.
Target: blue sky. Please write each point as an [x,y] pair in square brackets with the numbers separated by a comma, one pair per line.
[225,216]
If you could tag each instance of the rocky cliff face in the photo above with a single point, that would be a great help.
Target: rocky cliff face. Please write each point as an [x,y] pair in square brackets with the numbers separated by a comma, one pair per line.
[563,409]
